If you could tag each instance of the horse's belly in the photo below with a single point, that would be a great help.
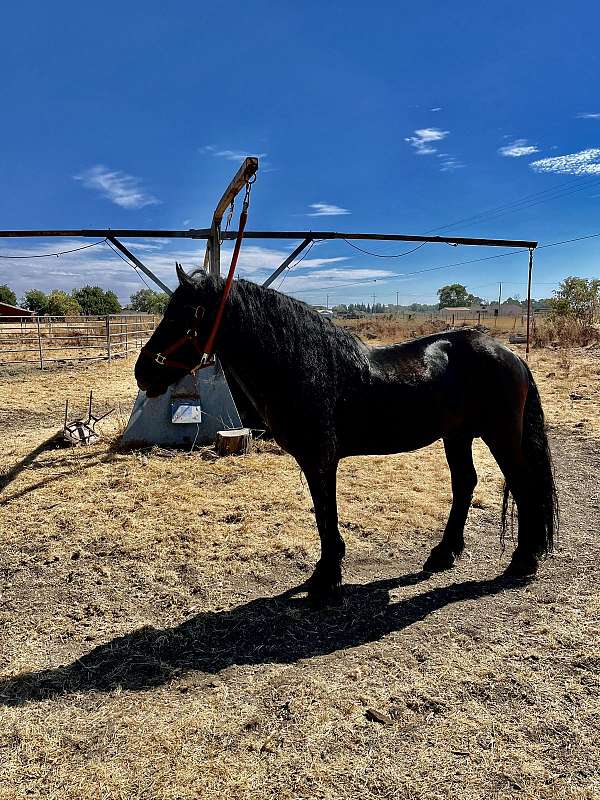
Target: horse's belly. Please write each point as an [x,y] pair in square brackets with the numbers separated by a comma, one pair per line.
[387,440]
[390,424]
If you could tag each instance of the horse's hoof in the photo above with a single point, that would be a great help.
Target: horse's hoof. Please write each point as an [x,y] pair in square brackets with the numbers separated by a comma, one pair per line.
[323,597]
[438,561]
[522,567]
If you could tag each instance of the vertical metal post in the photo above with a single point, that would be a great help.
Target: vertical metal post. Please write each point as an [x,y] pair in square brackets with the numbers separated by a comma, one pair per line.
[126,336]
[530,270]
[39,333]
[499,302]
[215,250]
[108,347]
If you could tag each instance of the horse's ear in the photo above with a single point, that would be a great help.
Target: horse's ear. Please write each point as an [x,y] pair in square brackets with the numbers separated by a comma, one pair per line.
[182,276]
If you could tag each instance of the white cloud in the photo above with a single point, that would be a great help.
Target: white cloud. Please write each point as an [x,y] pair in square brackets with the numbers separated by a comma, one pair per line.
[449,163]
[327,210]
[518,148]
[120,188]
[589,115]
[297,283]
[437,108]
[100,266]
[585,162]
[230,155]
[423,139]
[257,262]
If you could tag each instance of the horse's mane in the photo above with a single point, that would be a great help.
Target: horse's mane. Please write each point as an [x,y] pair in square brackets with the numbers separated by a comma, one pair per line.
[266,310]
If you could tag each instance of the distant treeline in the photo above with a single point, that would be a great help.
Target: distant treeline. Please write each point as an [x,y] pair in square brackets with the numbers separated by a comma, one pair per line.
[89,300]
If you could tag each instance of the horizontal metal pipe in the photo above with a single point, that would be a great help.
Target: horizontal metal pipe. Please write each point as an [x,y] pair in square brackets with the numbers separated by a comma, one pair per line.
[204,233]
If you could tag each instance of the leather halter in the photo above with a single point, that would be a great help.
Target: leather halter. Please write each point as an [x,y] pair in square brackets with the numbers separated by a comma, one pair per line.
[191,335]
[206,356]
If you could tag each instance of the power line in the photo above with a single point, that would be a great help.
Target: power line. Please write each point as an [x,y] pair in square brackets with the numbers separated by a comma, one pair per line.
[526,201]
[61,253]
[128,262]
[386,278]
[295,264]
[383,255]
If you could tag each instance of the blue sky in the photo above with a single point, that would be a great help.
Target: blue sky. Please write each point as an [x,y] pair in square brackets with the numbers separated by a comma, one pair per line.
[379,116]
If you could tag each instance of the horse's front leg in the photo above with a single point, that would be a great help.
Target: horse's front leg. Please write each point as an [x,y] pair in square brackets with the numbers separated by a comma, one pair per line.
[325,582]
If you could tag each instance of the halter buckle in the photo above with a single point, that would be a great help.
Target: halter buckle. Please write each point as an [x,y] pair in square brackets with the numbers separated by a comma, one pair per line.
[160,359]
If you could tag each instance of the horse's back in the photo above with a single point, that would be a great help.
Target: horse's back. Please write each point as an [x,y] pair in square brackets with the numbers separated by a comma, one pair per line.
[438,353]
[432,387]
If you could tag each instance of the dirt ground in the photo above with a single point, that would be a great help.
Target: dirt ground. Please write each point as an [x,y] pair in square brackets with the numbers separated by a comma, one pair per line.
[145,653]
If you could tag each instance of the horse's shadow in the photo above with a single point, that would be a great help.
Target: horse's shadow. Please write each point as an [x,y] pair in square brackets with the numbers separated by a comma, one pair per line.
[266,630]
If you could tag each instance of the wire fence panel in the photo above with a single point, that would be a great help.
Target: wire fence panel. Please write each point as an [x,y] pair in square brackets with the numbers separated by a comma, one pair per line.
[43,340]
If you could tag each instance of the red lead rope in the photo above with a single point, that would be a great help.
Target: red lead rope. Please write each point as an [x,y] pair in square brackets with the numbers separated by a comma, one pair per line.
[208,347]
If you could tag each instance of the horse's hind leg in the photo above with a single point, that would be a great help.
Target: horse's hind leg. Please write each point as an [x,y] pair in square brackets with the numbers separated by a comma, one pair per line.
[464,480]
[508,451]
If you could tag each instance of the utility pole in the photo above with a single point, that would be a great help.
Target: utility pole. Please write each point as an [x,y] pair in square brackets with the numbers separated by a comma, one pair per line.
[499,301]
[373,306]
[327,304]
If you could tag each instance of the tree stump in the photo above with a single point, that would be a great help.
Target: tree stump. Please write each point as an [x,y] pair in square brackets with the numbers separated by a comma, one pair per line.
[233,443]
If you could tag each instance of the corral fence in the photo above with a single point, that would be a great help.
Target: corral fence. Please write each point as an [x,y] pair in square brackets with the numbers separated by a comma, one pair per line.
[46,340]
[503,322]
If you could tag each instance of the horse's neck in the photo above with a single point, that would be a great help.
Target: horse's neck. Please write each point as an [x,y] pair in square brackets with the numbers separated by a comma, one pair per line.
[246,348]
[271,351]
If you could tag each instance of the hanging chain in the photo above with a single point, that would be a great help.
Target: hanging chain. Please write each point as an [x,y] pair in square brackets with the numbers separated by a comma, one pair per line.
[245,204]
[249,183]
[229,218]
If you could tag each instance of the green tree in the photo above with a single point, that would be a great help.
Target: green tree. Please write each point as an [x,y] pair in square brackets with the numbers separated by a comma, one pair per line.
[97,301]
[61,304]
[7,295]
[36,300]
[453,295]
[149,301]
[577,298]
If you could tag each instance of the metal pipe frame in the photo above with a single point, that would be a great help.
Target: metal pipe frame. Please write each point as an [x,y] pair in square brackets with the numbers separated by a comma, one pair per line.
[206,233]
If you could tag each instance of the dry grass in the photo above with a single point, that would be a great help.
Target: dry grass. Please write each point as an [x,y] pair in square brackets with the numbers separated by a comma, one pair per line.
[391,328]
[143,657]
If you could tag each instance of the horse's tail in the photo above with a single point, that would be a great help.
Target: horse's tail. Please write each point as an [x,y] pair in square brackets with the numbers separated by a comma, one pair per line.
[539,484]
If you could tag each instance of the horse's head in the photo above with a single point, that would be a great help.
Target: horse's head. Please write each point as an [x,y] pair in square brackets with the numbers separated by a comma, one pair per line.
[176,346]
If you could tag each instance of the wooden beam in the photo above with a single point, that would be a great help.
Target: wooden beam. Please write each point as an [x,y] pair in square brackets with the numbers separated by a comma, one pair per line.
[245,173]
[212,256]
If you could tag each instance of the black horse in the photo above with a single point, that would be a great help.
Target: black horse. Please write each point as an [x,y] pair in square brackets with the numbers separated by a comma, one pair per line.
[325,395]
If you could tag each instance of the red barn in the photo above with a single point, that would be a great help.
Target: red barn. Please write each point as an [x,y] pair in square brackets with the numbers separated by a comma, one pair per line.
[8,312]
